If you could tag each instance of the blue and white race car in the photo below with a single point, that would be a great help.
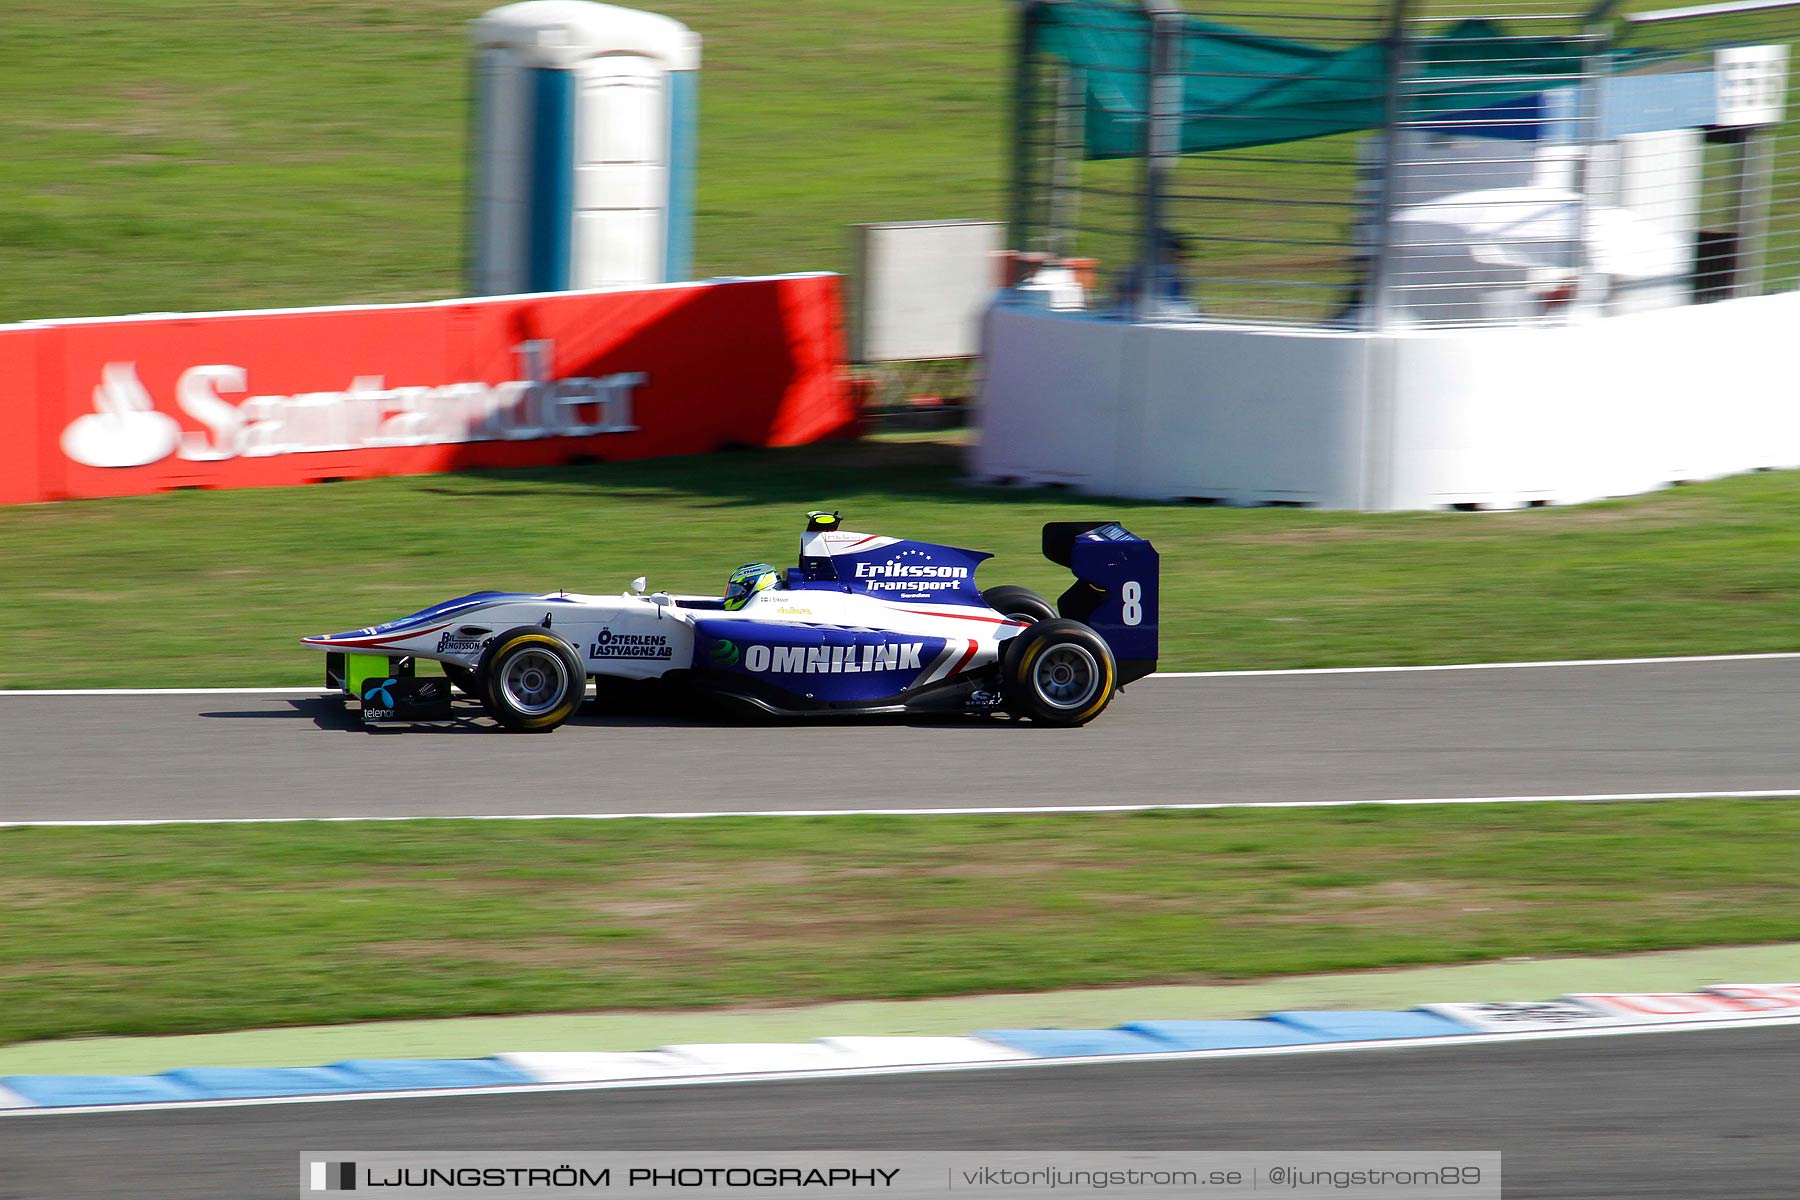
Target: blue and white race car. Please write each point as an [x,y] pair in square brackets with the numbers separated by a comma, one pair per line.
[864,624]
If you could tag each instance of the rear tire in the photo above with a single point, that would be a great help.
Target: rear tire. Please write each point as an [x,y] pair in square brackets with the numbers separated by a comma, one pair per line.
[531,681]
[1059,672]
[1018,603]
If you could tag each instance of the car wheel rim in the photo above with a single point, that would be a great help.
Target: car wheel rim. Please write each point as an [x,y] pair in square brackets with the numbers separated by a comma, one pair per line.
[535,682]
[1066,676]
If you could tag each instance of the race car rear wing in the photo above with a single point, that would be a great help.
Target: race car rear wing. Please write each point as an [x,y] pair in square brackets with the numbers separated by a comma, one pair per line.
[1117,589]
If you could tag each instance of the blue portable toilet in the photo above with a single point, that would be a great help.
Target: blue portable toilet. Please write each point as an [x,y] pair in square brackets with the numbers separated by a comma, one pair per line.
[583,147]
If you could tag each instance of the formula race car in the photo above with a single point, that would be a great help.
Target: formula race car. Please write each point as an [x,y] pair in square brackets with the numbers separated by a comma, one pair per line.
[864,624]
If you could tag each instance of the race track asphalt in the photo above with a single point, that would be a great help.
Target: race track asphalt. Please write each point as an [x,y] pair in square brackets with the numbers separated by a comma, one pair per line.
[1666,1116]
[1662,727]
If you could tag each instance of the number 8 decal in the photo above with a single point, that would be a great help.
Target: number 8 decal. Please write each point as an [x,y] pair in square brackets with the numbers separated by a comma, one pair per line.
[1133,595]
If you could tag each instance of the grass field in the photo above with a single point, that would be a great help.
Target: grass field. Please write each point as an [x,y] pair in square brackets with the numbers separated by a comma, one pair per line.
[197,154]
[214,588]
[183,155]
[166,930]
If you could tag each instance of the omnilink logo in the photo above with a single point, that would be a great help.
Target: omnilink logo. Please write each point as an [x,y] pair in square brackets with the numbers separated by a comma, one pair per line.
[333,1177]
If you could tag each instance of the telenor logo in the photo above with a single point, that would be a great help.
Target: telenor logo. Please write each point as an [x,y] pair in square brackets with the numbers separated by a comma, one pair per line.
[832,660]
[333,1176]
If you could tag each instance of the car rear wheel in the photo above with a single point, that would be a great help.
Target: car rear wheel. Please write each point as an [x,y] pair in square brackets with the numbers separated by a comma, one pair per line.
[531,680]
[1020,604]
[1059,672]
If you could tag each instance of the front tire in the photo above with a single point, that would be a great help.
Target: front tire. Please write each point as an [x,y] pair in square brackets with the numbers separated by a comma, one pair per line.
[1059,672]
[531,680]
[1018,603]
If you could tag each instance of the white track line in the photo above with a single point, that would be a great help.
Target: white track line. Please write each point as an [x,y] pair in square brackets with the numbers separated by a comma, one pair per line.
[992,811]
[218,691]
[1422,1043]
[1491,666]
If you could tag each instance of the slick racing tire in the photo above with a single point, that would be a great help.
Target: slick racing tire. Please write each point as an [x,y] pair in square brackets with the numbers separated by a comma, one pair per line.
[531,680]
[1021,604]
[1058,672]
[463,678]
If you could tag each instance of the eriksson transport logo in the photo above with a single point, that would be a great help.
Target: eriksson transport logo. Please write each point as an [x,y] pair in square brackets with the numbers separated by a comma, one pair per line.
[904,573]
[127,430]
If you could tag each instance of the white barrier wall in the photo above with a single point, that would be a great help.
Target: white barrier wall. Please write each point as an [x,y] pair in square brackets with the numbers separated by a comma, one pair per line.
[1497,417]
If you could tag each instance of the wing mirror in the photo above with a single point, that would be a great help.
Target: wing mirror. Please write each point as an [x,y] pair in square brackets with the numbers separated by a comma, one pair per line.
[637,585]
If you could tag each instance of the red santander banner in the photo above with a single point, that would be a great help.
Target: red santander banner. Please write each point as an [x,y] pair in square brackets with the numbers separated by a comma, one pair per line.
[114,407]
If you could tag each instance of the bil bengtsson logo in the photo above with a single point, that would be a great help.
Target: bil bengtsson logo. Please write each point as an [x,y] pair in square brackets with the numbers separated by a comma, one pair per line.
[333,1176]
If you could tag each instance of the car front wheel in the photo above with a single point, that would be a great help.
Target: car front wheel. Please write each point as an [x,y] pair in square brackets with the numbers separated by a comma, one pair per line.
[530,680]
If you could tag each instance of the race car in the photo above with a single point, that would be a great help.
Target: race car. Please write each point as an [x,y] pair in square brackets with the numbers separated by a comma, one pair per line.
[864,624]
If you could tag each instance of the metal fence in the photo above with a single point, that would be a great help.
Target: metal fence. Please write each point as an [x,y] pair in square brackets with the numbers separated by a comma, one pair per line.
[1470,161]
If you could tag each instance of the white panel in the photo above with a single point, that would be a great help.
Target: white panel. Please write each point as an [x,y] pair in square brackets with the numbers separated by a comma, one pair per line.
[620,186]
[922,287]
[562,33]
[1248,417]
[1752,84]
[1667,1008]
[753,1057]
[502,154]
[1051,386]
[622,118]
[1515,1016]
[621,177]
[616,248]
[580,1067]
[919,1051]
[1497,416]
[1472,418]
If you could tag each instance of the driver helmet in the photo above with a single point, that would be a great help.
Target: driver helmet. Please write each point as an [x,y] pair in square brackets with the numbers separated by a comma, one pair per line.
[746,581]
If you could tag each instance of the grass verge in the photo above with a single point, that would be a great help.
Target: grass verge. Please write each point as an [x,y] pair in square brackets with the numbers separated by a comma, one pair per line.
[189,929]
[193,154]
[213,588]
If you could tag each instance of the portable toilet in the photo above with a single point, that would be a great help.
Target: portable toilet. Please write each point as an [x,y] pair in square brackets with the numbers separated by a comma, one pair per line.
[583,147]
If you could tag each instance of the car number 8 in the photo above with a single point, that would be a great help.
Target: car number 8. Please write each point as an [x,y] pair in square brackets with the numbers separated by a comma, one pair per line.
[1133,595]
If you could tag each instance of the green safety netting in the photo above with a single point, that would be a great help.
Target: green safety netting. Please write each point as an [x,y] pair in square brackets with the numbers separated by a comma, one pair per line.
[1245,89]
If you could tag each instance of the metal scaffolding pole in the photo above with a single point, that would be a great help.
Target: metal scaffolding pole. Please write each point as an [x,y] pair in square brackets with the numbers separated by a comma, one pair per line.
[1162,141]
[1378,289]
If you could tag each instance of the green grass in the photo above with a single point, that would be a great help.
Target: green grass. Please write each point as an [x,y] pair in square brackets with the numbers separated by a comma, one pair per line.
[182,155]
[187,929]
[195,154]
[214,588]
